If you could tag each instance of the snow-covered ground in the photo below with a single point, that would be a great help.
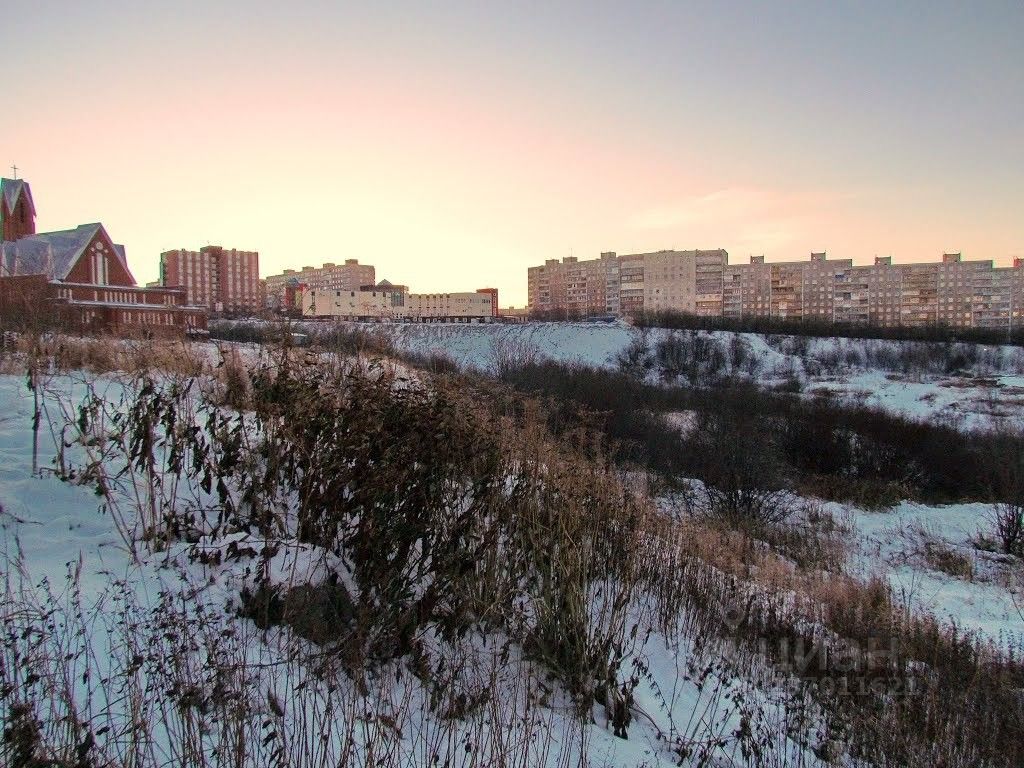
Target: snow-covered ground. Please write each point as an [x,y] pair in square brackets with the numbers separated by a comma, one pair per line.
[146,613]
[929,557]
[899,377]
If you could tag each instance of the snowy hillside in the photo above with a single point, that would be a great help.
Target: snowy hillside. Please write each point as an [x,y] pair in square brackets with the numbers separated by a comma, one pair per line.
[907,378]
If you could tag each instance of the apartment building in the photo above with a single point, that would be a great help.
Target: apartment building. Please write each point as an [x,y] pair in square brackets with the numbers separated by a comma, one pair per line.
[577,288]
[349,276]
[747,289]
[786,289]
[951,292]
[684,281]
[217,278]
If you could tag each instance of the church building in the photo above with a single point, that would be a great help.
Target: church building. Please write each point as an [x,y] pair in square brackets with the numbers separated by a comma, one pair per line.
[79,278]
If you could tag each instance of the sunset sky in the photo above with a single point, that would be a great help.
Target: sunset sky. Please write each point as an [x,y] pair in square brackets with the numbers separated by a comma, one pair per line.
[453,145]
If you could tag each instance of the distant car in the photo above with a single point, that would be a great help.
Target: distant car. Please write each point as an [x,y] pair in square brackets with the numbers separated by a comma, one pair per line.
[600,319]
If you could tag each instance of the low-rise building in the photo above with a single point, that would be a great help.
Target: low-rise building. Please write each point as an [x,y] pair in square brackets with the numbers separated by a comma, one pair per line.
[79,279]
[349,276]
[387,302]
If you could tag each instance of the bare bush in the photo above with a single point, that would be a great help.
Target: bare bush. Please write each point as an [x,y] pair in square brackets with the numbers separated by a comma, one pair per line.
[744,474]
[697,357]
[511,351]
[1007,523]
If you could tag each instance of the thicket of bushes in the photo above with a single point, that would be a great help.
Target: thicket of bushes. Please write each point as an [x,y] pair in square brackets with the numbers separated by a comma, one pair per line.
[448,508]
[822,328]
[702,359]
[837,451]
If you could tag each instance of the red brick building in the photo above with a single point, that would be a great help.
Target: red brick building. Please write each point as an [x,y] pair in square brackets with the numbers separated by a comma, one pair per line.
[17,211]
[80,278]
[220,279]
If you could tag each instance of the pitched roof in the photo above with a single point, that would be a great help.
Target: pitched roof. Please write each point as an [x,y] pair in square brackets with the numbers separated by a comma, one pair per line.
[53,254]
[12,189]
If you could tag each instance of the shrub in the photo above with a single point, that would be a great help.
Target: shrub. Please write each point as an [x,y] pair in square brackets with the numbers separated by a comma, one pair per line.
[745,478]
[1007,521]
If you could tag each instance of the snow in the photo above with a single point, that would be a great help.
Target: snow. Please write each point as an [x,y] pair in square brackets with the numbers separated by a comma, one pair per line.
[479,345]
[54,535]
[57,542]
[869,372]
[891,543]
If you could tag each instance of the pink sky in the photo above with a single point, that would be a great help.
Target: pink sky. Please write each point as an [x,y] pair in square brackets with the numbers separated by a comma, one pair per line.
[453,169]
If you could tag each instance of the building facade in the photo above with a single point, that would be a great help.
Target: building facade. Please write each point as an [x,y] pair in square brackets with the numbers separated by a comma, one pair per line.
[387,302]
[79,279]
[220,279]
[951,292]
[17,211]
[349,276]
[682,281]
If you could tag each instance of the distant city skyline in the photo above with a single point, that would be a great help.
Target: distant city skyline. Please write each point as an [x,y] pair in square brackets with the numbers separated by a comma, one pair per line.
[461,140]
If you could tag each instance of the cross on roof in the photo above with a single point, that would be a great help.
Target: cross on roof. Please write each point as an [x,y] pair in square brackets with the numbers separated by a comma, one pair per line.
[15,169]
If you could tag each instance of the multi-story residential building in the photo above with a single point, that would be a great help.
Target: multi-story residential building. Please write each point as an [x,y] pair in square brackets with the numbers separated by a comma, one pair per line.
[576,288]
[747,289]
[953,292]
[349,276]
[217,278]
[885,291]
[631,284]
[787,289]
[685,281]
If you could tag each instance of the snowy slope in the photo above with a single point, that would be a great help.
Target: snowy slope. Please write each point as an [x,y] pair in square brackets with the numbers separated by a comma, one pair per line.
[988,598]
[864,371]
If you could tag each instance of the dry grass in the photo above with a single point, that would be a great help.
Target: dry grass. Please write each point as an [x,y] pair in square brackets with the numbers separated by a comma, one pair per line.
[534,540]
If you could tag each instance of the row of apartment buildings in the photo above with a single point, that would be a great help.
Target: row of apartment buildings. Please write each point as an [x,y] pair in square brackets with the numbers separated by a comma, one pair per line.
[227,281]
[687,281]
[951,292]
[81,277]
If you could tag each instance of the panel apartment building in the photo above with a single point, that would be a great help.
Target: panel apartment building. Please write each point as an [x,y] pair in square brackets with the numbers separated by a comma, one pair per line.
[684,281]
[220,279]
[951,292]
[350,276]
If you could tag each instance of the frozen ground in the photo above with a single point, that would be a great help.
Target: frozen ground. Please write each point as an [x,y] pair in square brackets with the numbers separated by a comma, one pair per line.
[56,540]
[930,559]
